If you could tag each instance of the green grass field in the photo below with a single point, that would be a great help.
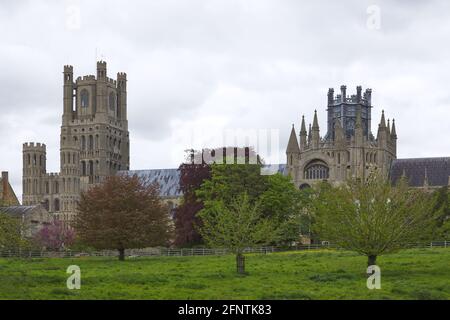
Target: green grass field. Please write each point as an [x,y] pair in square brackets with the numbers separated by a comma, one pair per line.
[410,274]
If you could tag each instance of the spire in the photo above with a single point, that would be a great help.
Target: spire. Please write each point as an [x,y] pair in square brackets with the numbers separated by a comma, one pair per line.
[315,122]
[303,127]
[393,132]
[292,146]
[315,132]
[389,127]
[383,121]
[303,135]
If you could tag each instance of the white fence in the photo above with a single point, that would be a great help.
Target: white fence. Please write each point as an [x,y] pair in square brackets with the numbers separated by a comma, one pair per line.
[175,252]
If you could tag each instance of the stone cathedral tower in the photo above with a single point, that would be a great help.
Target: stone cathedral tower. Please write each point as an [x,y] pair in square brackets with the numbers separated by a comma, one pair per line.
[348,148]
[94,143]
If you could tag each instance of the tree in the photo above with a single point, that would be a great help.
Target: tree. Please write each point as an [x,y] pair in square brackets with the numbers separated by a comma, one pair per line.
[278,197]
[192,175]
[236,226]
[123,212]
[228,181]
[10,232]
[372,217]
[442,209]
[55,236]
[285,204]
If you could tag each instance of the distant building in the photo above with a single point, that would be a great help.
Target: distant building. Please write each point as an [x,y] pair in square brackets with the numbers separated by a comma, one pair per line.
[349,149]
[94,143]
[169,183]
[7,194]
[32,218]
[428,173]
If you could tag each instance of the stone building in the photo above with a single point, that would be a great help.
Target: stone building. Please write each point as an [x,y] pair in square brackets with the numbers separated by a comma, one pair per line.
[31,218]
[348,149]
[7,194]
[94,143]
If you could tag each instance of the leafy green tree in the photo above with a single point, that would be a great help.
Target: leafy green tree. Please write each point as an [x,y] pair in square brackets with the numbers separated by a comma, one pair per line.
[372,217]
[278,197]
[236,225]
[442,208]
[285,204]
[10,231]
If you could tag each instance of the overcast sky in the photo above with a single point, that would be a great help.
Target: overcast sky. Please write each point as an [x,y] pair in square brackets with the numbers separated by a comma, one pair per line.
[212,65]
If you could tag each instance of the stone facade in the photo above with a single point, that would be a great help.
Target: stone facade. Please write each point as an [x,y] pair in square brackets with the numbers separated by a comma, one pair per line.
[32,218]
[348,148]
[94,143]
[7,194]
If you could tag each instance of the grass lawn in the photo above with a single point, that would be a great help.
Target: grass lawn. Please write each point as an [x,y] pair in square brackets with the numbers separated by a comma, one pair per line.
[410,274]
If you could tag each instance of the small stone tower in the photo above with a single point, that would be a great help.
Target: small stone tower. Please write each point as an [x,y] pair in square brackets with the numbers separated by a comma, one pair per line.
[34,168]
[348,148]
[94,142]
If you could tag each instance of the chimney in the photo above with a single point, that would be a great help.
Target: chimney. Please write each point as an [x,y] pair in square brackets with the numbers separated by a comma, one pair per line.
[5,185]
[343,93]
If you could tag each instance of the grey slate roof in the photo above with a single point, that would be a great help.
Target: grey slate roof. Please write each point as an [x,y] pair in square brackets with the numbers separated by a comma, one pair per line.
[18,211]
[437,171]
[168,180]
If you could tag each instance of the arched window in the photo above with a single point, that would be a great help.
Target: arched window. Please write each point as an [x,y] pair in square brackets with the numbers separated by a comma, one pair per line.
[112,101]
[83,168]
[91,143]
[83,143]
[84,98]
[56,187]
[56,208]
[316,170]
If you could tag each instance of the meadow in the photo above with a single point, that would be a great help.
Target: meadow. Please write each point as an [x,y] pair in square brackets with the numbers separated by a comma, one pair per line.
[322,274]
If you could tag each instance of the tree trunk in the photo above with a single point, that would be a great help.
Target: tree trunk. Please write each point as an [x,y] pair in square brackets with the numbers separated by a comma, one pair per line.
[371,260]
[240,263]
[121,254]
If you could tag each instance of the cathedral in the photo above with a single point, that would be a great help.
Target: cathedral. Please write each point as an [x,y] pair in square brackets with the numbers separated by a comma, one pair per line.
[94,143]
[350,150]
